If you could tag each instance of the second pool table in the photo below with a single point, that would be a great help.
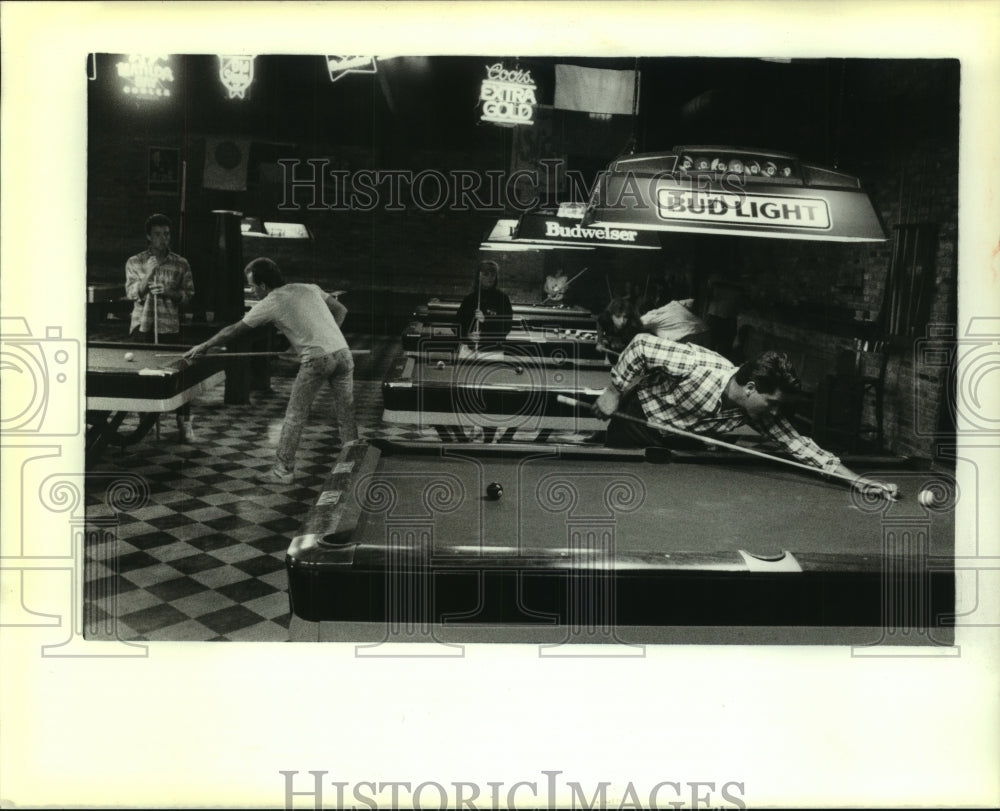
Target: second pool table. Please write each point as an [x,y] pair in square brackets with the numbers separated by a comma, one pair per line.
[508,391]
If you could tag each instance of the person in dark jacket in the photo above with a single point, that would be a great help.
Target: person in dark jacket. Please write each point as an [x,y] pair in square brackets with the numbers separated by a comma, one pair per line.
[486,312]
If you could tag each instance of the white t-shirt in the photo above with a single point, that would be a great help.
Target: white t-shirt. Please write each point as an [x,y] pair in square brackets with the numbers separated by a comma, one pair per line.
[674,320]
[301,313]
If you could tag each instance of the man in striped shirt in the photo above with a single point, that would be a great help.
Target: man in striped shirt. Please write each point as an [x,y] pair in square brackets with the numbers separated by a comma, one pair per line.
[159,282]
[696,390]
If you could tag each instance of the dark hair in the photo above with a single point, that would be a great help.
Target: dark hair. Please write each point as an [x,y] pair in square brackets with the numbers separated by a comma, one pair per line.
[266,272]
[620,306]
[770,371]
[157,219]
[489,266]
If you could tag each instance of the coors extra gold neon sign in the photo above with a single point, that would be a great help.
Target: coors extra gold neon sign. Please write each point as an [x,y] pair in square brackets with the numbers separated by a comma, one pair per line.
[508,96]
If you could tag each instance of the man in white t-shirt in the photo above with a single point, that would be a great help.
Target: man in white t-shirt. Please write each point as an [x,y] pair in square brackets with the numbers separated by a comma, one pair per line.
[676,321]
[310,319]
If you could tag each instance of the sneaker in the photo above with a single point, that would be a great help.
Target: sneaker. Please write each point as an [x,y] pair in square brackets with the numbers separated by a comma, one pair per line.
[186,434]
[274,476]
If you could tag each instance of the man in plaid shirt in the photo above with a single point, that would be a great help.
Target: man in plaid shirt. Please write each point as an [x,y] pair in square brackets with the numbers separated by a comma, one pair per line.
[696,390]
[161,279]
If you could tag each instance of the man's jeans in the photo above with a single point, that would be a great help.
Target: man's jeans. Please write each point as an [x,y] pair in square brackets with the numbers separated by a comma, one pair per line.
[337,369]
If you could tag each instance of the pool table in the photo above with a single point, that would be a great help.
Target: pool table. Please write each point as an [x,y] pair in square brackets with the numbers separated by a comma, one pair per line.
[147,384]
[557,344]
[491,392]
[591,542]
[548,314]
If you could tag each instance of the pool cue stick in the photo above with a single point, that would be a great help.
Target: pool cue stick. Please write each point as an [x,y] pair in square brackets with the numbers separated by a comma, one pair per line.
[607,281]
[226,354]
[127,344]
[479,306]
[180,224]
[566,286]
[247,354]
[156,340]
[288,355]
[156,320]
[718,442]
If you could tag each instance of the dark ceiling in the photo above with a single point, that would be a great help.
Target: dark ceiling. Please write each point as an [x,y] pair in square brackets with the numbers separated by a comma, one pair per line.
[826,110]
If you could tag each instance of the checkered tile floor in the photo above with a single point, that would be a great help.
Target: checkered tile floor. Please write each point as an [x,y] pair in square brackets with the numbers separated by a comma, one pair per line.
[203,557]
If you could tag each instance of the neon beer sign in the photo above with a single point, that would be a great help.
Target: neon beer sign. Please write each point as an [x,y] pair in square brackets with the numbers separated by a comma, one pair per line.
[236,74]
[508,96]
[146,76]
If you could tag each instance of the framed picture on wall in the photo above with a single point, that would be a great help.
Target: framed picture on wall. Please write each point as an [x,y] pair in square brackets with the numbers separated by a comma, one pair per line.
[164,170]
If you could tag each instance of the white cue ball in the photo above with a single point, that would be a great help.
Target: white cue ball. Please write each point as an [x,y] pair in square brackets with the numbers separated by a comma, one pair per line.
[129,356]
[925,497]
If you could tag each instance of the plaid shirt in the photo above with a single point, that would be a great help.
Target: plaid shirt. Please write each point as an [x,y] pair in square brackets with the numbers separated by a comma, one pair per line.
[682,385]
[174,273]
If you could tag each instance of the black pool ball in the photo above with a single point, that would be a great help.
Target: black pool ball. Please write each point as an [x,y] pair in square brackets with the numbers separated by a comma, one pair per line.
[494,491]
[519,370]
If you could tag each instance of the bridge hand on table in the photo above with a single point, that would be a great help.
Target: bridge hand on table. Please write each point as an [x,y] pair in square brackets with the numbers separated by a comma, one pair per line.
[607,404]
[885,489]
